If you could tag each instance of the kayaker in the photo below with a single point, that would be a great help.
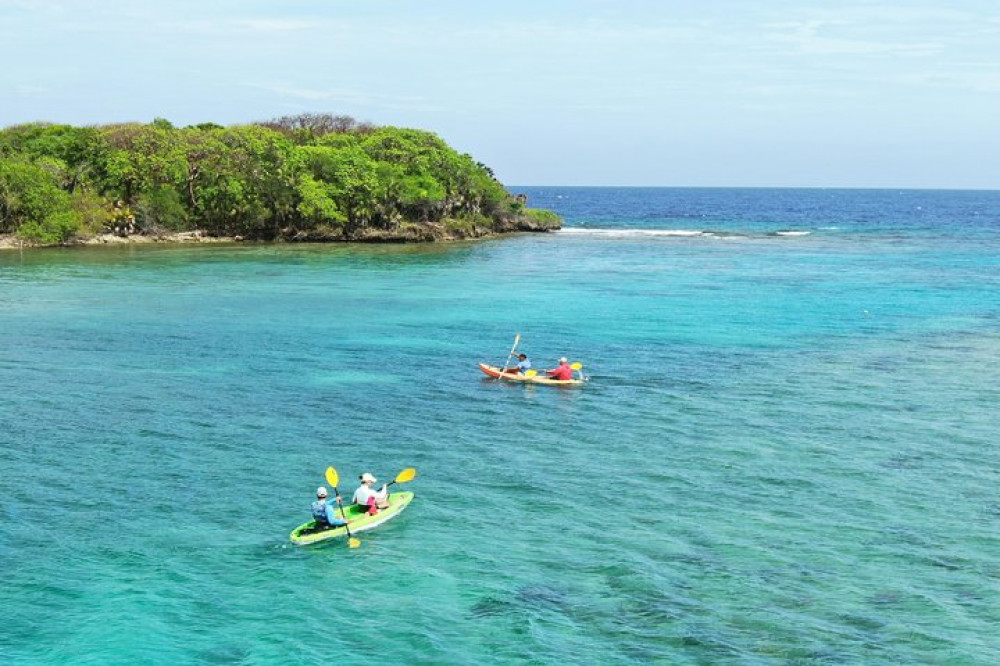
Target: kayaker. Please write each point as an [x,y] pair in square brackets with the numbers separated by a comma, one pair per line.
[367,496]
[325,513]
[522,367]
[562,372]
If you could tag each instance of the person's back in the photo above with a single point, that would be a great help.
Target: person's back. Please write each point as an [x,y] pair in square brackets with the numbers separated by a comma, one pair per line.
[323,512]
[319,512]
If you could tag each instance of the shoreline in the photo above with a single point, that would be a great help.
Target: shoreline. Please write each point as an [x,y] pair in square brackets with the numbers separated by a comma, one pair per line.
[12,242]
[414,234]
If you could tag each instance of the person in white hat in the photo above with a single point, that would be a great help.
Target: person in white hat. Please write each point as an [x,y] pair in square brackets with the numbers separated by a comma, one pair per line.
[367,496]
[324,513]
[563,371]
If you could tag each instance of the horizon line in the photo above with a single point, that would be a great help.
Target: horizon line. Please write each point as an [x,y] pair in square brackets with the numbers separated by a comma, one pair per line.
[909,188]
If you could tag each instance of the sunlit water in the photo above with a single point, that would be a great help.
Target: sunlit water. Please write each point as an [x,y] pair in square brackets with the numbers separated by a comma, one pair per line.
[786,452]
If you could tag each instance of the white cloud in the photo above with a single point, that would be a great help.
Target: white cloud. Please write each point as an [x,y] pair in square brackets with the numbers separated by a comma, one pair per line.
[807,36]
[345,96]
[22,90]
[310,94]
[277,25]
[977,82]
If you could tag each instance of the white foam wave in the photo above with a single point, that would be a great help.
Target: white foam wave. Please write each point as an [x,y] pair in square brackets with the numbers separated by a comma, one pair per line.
[624,233]
[672,233]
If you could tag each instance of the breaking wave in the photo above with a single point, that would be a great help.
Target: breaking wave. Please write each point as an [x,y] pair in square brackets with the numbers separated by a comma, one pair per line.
[671,233]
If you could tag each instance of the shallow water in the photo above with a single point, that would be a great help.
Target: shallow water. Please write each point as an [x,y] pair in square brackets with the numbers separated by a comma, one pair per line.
[785,454]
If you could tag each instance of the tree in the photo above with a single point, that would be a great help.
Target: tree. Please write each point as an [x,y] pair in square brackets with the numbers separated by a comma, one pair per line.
[266,180]
[348,178]
[32,204]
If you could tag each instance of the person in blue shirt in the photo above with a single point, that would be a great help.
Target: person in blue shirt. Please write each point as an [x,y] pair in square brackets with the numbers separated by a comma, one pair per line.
[522,367]
[325,513]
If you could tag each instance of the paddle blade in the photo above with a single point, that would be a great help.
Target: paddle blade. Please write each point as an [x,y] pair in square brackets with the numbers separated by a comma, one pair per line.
[353,543]
[407,474]
[517,339]
[332,477]
[577,366]
[531,373]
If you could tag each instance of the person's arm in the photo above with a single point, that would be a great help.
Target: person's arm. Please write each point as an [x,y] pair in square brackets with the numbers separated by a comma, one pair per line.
[331,515]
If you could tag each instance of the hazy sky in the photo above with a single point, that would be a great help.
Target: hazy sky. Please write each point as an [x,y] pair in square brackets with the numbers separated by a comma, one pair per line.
[899,93]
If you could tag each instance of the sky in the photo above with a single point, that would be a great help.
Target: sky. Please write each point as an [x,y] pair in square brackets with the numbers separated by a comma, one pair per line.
[718,93]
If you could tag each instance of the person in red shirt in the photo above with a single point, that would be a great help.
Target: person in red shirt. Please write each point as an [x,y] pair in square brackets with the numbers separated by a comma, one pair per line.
[562,372]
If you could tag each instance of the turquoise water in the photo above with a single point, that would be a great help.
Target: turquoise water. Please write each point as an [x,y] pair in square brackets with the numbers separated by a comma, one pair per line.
[786,453]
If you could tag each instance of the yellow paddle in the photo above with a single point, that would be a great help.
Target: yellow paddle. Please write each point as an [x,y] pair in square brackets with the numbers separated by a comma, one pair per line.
[407,474]
[332,478]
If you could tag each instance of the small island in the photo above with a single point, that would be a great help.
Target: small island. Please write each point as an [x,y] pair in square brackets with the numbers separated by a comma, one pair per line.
[303,178]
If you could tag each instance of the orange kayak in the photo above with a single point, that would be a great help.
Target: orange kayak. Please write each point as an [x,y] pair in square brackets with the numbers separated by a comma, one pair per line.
[493,371]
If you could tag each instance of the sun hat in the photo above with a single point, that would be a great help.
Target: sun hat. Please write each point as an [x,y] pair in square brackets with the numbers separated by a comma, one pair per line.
[367,477]
[563,360]
[321,492]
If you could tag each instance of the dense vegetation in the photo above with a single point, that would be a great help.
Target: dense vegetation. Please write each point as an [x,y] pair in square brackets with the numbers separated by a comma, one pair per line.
[308,177]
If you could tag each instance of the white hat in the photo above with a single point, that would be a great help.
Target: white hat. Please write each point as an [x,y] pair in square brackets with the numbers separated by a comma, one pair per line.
[563,360]
[321,492]
[367,476]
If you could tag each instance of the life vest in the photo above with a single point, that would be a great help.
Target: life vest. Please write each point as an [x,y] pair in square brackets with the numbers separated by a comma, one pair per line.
[319,513]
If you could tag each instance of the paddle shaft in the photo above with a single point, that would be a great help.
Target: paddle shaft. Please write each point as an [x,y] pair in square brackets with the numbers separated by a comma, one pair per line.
[503,368]
[343,515]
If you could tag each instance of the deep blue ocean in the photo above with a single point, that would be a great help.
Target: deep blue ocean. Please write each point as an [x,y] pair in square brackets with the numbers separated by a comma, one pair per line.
[786,452]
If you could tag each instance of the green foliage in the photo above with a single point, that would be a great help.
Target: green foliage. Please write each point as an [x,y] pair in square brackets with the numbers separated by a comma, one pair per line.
[542,217]
[349,182]
[160,209]
[93,211]
[318,203]
[30,194]
[314,172]
[54,228]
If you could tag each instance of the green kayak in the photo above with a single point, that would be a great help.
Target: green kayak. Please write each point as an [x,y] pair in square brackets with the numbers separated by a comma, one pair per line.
[358,521]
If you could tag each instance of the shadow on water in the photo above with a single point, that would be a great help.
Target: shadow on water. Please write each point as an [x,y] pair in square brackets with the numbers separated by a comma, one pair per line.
[527,599]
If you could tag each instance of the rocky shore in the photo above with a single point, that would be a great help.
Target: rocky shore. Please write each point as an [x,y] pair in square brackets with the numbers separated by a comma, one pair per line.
[447,231]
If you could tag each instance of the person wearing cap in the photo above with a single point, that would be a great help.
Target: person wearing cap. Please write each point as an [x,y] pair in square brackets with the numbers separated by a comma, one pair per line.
[367,496]
[523,365]
[325,513]
[562,372]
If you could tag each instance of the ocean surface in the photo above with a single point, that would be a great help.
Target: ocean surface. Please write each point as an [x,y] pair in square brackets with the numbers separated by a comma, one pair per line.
[787,451]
